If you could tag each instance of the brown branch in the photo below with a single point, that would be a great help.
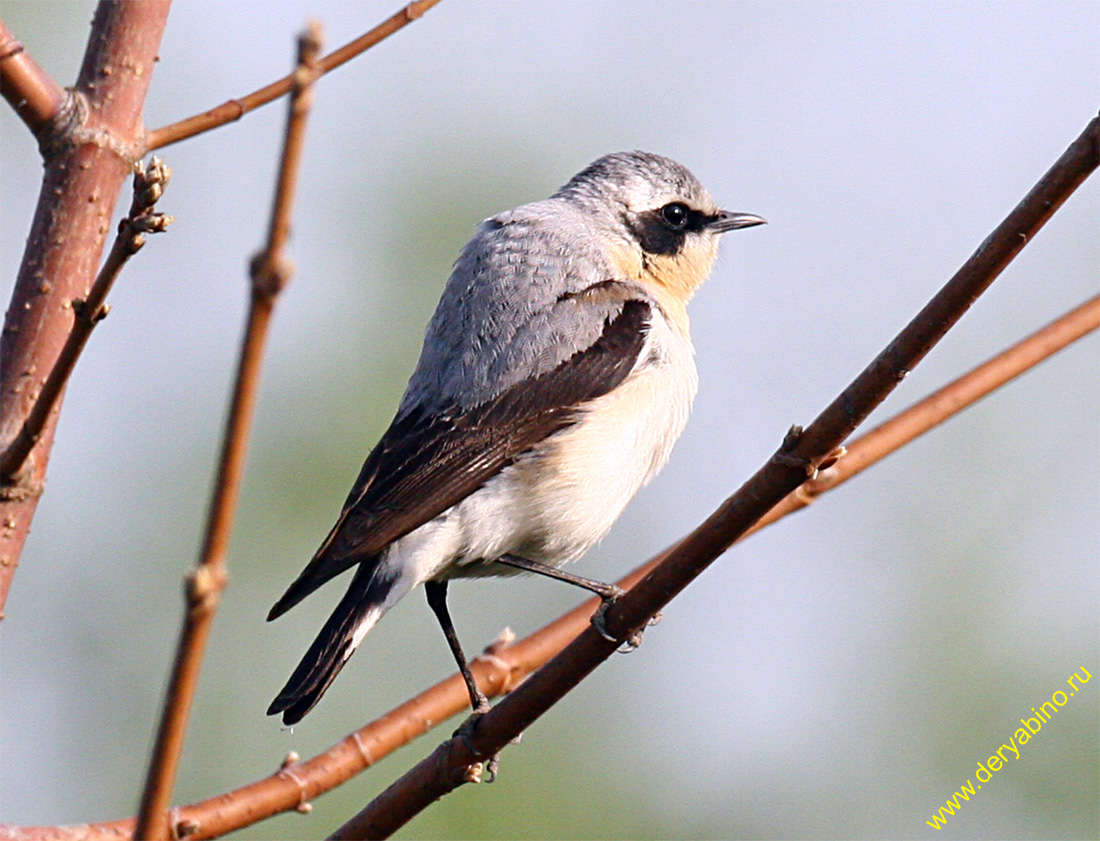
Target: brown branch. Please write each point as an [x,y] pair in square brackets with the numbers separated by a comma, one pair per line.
[270,272]
[948,401]
[455,762]
[95,136]
[234,109]
[503,666]
[142,219]
[28,88]
[86,160]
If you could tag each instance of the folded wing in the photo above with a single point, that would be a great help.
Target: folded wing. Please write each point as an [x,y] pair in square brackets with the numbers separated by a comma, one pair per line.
[426,463]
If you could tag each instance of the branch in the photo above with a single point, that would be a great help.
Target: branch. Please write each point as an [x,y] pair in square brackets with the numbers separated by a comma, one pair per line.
[270,272]
[36,98]
[502,666]
[454,762]
[948,401]
[89,146]
[234,109]
[87,156]
[142,219]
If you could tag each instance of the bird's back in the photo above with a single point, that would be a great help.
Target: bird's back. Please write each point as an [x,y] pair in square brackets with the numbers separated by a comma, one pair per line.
[509,311]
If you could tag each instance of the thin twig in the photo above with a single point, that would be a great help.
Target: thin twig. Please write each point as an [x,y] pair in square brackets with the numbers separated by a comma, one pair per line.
[142,219]
[457,761]
[88,152]
[234,109]
[504,665]
[28,88]
[270,271]
[96,136]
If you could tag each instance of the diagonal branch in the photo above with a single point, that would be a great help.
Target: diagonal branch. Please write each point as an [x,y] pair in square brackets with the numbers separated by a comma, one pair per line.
[88,150]
[234,109]
[942,404]
[149,184]
[89,137]
[456,761]
[28,88]
[503,665]
[270,271]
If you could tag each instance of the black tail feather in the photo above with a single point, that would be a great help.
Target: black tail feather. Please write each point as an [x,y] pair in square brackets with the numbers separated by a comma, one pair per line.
[333,646]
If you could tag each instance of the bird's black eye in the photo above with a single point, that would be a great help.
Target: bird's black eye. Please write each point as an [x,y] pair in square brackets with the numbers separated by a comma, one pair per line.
[676,215]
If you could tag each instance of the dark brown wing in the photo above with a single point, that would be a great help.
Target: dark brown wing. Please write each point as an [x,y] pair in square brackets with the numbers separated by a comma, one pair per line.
[424,464]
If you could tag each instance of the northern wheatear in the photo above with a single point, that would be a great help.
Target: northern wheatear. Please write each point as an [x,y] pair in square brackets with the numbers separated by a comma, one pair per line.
[556,374]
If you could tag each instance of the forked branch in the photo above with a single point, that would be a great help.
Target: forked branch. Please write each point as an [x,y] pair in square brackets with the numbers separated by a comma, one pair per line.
[503,665]
[234,109]
[89,137]
[449,766]
[28,88]
[89,144]
[142,219]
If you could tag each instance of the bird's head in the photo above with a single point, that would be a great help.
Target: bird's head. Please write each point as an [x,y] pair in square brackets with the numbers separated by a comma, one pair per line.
[660,225]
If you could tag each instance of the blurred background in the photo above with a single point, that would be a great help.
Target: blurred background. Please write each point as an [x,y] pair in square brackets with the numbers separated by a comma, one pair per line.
[838,675]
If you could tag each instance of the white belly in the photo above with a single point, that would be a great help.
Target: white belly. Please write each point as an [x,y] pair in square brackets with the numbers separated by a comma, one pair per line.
[553,504]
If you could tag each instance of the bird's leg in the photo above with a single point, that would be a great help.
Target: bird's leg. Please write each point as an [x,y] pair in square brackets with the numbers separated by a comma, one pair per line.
[437,600]
[608,593]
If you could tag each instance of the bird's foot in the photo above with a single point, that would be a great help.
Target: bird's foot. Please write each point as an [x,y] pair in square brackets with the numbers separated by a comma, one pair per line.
[599,619]
[465,732]
[634,640]
[599,622]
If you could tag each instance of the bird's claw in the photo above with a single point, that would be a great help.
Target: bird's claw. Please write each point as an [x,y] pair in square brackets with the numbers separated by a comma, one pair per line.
[635,640]
[599,618]
[465,731]
[599,622]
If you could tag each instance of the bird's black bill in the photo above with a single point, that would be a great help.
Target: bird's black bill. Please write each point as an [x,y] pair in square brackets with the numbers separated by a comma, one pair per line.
[725,220]
[437,601]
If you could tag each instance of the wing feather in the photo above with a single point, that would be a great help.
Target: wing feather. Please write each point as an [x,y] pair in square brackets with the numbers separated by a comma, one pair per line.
[426,463]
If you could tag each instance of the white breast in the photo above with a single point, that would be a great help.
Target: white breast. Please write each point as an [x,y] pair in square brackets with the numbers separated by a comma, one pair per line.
[560,499]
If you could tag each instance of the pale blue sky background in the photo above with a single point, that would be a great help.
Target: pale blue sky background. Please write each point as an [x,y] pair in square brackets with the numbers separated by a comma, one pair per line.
[835,677]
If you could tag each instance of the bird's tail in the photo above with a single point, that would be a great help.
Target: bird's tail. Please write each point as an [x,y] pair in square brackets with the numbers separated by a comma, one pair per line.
[372,591]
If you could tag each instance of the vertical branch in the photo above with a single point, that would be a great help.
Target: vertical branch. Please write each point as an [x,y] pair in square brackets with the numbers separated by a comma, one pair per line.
[89,147]
[149,184]
[270,271]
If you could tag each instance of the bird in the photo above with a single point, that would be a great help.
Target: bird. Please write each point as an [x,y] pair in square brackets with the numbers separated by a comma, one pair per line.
[555,376]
